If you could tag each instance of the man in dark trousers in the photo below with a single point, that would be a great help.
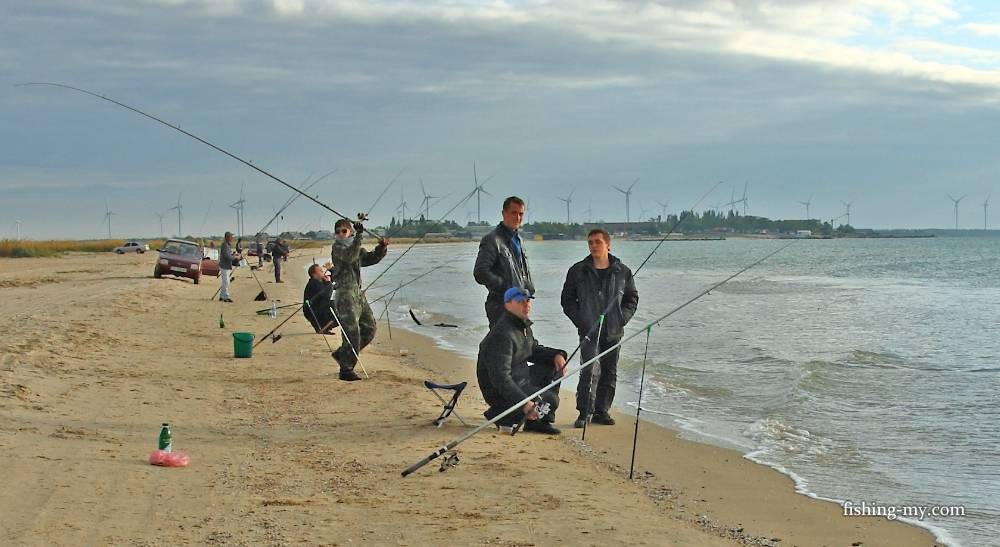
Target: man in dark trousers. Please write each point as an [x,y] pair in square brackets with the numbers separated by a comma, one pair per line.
[501,263]
[357,322]
[279,254]
[591,285]
[513,365]
[319,294]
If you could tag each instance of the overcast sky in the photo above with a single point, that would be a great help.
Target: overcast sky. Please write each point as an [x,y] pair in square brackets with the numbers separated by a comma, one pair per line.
[886,103]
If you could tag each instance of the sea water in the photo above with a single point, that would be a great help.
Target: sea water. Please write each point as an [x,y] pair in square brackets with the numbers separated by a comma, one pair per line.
[866,369]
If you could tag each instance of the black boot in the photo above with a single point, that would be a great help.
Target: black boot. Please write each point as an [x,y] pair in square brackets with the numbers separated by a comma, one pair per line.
[580,421]
[348,375]
[539,426]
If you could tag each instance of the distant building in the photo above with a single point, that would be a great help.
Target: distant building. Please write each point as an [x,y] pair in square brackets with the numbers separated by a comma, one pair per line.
[804,234]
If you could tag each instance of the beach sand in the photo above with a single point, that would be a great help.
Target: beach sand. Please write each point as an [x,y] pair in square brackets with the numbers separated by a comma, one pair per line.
[95,354]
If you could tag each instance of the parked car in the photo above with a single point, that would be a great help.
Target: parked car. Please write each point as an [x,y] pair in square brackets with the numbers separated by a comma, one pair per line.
[183,258]
[132,247]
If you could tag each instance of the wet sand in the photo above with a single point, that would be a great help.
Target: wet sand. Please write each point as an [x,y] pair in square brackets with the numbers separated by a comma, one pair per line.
[96,354]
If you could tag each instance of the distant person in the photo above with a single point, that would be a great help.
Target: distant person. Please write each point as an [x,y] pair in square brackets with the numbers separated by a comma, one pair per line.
[501,262]
[593,284]
[226,258]
[279,253]
[260,252]
[513,365]
[357,322]
[319,292]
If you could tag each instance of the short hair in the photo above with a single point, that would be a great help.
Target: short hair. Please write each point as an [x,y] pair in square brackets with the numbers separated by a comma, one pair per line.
[343,222]
[512,199]
[228,234]
[313,268]
[604,234]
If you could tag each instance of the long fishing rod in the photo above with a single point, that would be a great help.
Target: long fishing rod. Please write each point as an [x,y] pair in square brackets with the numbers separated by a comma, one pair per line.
[379,198]
[421,238]
[613,298]
[262,338]
[195,137]
[454,443]
[288,202]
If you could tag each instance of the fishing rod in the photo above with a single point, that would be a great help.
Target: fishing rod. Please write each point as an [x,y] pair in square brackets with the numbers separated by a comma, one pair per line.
[421,238]
[297,310]
[613,299]
[414,280]
[288,202]
[379,198]
[195,137]
[455,442]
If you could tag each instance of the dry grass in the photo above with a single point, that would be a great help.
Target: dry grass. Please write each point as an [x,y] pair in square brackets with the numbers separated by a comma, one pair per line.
[26,248]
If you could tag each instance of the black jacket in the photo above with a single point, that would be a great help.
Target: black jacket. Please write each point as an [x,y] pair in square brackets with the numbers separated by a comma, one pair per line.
[279,250]
[318,292]
[502,368]
[498,269]
[584,299]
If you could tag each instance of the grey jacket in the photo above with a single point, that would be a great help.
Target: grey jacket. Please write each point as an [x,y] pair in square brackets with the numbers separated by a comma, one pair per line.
[584,298]
[225,256]
[498,269]
[502,368]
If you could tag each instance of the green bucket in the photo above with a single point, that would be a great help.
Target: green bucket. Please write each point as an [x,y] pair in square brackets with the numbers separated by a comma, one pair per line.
[243,344]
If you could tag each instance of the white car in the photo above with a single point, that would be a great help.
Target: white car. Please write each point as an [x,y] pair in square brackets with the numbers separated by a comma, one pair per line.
[132,247]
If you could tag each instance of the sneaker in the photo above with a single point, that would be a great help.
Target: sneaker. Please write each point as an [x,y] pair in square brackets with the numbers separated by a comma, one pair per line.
[541,427]
[349,376]
[227,299]
[603,419]
[580,421]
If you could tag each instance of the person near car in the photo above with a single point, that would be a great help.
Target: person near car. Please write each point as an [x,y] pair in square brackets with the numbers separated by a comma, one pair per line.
[260,253]
[319,294]
[501,262]
[600,284]
[226,258]
[278,255]
[512,365]
[357,322]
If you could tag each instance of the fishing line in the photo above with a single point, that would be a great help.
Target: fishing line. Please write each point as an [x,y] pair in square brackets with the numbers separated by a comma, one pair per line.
[454,443]
[343,334]
[415,279]
[297,310]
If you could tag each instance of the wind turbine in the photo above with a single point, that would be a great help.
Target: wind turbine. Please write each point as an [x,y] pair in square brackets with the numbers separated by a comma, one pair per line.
[956,207]
[745,200]
[628,194]
[178,207]
[985,205]
[426,203]
[589,211]
[663,205]
[160,215]
[847,205]
[107,217]
[239,211]
[402,206]
[479,190]
[17,224]
[807,203]
[567,200]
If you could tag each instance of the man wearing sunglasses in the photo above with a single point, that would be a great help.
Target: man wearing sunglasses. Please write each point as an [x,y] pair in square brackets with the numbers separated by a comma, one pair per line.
[357,322]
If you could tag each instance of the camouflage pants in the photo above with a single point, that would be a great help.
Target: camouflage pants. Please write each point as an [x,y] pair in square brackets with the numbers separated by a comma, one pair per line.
[357,327]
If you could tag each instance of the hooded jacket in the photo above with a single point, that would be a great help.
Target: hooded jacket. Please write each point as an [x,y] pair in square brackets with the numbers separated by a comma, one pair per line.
[502,368]
[584,298]
[498,268]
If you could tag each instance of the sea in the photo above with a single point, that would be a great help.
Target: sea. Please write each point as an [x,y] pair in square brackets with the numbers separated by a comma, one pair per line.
[865,369]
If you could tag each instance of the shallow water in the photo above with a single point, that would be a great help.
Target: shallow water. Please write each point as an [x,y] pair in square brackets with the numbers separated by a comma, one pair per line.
[866,369]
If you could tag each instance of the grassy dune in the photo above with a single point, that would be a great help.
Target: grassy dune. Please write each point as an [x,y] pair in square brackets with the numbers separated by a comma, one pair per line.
[25,248]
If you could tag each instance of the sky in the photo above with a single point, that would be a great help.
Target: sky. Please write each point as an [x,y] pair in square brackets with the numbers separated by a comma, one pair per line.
[887,104]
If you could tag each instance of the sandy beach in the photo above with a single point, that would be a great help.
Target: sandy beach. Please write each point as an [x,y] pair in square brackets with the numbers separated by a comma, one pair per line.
[96,354]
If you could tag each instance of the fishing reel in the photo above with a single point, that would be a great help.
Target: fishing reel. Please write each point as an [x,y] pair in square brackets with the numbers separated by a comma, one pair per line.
[449,461]
[540,407]
[362,217]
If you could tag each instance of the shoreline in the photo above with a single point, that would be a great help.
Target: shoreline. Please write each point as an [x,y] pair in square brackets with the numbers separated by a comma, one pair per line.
[98,354]
[666,435]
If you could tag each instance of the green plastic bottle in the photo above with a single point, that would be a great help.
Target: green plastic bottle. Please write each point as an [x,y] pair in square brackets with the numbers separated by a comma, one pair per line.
[166,438]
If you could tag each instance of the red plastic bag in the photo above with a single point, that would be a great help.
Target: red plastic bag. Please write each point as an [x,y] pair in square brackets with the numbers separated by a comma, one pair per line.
[169,459]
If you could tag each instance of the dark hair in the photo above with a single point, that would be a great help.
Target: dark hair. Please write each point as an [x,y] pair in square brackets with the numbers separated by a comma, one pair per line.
[512,199]
[342,222]
[604,234]
[313,268]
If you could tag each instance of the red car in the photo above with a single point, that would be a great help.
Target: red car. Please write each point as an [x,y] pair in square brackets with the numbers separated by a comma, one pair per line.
[183,258]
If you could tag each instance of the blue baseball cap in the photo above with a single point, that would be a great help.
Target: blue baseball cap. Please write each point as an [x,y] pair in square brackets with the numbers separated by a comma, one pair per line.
[516,293]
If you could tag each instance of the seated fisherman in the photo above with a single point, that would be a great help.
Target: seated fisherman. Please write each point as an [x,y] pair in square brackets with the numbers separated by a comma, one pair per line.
[319,294]
[513,365]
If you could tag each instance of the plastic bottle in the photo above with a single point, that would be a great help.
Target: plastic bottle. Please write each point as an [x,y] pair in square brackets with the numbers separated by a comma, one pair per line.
[222,324]
[274,310]
[166,438]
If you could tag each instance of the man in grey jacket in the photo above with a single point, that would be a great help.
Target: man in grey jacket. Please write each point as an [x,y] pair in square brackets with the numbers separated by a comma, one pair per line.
[226,258]
[592,285]
[513,365]
[501,262]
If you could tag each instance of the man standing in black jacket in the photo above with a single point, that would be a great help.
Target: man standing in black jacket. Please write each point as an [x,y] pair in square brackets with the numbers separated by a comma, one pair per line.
[513,365]
[501,263]
[279,254]
[591,285]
